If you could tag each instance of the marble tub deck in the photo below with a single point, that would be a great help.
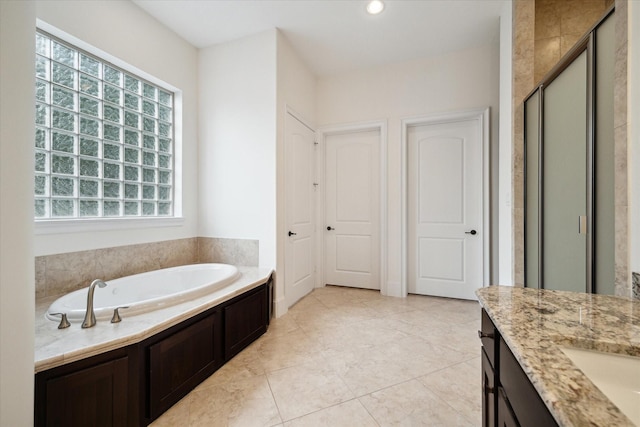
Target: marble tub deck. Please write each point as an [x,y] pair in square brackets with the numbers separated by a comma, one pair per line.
[349,357]
[56,347]
[536,323]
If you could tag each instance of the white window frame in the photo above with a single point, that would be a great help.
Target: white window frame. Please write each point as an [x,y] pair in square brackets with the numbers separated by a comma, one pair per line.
[67,225]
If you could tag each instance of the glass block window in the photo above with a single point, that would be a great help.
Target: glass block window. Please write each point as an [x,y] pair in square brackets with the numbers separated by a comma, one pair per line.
[103,138]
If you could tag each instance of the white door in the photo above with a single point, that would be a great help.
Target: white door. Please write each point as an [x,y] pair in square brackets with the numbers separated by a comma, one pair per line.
[299,266]
[352,209]
[445,211]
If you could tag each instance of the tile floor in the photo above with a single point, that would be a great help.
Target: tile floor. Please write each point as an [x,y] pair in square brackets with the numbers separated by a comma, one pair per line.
[349,357]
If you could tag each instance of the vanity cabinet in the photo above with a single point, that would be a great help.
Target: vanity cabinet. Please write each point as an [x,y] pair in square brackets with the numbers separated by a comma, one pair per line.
[508,397]
[134,385]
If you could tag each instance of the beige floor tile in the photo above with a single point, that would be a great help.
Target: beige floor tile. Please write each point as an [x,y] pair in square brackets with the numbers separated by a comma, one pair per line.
[347,414]
[177,415]
[409,361]
[338,297]
[355,312]
[316,316]
[424,302]
[300,390]
[354,335]
[246,364]
[283,325]
[428,321]
[411,404]
[306,304]
[422,356]
[460,337]
[389,305]
[460,386]
[368,368]
[246,402]
[280,352]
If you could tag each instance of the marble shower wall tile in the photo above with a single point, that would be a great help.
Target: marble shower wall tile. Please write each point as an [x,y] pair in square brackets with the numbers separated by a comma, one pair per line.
[524,15]
[559,24]
[623,285]
[62,273]
[228,251]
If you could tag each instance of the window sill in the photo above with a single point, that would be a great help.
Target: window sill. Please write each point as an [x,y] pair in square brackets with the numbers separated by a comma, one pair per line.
[60,226]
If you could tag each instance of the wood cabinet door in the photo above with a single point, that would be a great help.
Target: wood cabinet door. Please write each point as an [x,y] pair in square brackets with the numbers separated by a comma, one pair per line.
[488,393]
[522,395]
[245,320]
[95,396]
[506,417]
[488,337]
[182,360]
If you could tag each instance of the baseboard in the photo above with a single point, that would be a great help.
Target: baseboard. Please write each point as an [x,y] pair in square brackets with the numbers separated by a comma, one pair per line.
[394,289]
[280,307]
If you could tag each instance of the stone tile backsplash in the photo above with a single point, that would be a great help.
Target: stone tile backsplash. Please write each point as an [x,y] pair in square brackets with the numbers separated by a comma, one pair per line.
[62,273]
[228,251]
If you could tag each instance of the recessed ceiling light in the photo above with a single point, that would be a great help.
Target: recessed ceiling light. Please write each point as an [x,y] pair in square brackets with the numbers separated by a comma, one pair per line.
[375,6]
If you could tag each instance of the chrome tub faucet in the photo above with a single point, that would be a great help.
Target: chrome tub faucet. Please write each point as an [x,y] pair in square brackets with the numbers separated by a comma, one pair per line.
[90,317]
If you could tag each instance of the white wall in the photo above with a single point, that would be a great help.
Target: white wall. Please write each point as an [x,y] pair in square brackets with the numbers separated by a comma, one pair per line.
[237,158]
[633,140]
[125,31]
[296,91]
[296,84]
[17,293]
[457,81]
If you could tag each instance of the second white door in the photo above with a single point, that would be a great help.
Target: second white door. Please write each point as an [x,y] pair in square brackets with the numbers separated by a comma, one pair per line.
[299,274]
[445,209]
[352,209]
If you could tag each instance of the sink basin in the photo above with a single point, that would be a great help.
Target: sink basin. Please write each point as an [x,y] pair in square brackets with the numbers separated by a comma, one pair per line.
[617,376]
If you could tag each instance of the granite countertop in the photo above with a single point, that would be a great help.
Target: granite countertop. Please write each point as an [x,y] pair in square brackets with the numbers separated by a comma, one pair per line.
[536,323]
[55,347]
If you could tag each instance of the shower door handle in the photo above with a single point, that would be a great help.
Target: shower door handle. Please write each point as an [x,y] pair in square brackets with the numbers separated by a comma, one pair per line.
[582,224]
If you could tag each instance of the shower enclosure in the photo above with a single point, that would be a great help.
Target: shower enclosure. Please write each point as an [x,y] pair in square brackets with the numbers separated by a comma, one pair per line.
[569,170]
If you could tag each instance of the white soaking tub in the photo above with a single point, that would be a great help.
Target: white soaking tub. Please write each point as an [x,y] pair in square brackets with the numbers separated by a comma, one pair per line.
[146,291]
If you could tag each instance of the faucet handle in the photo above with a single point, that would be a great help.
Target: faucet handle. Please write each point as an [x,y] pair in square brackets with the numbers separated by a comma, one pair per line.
[64,323]
[116,315]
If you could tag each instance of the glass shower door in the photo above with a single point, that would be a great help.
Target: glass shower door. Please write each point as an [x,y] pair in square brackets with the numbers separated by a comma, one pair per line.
[564,193]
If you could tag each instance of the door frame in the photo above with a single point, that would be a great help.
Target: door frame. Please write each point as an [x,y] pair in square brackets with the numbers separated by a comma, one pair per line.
[478,114]
[322,133]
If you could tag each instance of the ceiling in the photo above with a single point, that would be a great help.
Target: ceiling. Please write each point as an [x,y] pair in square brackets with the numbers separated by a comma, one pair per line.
[334,36]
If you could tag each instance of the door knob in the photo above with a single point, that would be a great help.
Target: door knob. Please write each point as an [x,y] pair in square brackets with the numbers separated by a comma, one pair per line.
[291,233]
[472,232]
[329,228]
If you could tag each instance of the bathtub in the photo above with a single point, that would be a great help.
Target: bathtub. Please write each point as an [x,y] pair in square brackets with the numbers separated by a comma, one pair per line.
[146,291]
